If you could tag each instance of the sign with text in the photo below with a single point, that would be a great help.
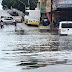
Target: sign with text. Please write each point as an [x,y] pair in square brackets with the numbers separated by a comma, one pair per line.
[48,6]
[64,3]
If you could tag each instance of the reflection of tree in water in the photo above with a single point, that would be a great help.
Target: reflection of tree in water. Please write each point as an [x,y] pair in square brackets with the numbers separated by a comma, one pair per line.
[40,62]
[35,63]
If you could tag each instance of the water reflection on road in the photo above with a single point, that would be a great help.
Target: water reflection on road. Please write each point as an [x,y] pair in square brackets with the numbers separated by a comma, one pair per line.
[20,50]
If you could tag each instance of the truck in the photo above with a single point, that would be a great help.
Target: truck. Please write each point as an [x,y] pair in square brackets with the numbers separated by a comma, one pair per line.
[32,17]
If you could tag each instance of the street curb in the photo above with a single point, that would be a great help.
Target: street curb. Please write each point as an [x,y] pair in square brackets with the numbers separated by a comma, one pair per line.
[44,28]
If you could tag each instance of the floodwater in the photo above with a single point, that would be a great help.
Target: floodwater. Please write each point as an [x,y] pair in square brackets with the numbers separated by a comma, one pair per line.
[26,50]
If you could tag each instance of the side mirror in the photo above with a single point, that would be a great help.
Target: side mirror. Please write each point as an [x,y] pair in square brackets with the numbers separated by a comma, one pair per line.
[27,13]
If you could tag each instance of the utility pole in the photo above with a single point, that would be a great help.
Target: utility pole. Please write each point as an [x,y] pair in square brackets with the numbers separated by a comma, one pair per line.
[23,4]
[51,17]
[29,4]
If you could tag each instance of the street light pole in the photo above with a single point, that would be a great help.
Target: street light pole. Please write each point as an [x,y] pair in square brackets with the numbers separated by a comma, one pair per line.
[28,2]
[23,4]
[51,17]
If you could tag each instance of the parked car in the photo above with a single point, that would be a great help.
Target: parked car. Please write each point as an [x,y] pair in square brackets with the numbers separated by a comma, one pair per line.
[3,16]
[9,11]
[18,18]
[65,28]
[14,13]
[8,20]
[45,21]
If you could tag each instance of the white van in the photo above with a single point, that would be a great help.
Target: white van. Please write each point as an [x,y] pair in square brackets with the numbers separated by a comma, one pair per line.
[65,28]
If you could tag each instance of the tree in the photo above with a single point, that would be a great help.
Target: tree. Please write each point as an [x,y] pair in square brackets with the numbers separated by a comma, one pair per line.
[16,4]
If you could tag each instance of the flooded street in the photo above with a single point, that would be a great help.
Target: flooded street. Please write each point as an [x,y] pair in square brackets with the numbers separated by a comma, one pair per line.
[33,50]
[23,51]
[27,48]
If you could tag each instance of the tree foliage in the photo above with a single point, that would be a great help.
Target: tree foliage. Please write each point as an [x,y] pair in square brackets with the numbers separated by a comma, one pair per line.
[17,4]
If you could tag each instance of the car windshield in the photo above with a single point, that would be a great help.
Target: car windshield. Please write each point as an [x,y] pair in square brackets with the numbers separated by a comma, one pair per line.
[66,25]
[8,18]
[15,14]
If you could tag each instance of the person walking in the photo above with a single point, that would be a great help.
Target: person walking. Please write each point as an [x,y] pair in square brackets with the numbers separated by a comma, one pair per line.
[15,23]
[2,25]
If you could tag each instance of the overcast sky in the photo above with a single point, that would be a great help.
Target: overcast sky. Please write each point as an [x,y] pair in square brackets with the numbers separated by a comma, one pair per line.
[0,0]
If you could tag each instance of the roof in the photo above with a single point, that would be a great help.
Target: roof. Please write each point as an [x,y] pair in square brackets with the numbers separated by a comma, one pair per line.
[66,22]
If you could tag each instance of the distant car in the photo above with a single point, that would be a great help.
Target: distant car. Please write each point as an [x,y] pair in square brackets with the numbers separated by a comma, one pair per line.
[14,13]
[8,20]
[18,19]
[3,16]
[65,28]
[16,16]
[45,21]
[9,11]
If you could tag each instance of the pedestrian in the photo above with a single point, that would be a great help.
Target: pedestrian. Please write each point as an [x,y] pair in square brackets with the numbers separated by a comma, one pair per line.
[15,23]
[2,25]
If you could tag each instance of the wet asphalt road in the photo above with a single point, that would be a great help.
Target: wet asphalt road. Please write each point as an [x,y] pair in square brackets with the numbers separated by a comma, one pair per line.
[33,51]
[24,51]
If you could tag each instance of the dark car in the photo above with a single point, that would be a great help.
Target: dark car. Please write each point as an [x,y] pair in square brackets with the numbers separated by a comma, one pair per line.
[45,21]
[14,13]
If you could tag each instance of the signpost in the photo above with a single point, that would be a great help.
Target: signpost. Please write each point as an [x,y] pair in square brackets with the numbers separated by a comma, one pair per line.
[51,17]
[50,7]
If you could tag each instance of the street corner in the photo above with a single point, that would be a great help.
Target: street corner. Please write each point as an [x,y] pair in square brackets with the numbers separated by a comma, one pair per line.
[44,27]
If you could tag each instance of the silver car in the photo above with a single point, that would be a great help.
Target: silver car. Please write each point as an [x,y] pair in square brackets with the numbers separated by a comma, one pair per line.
[8,20]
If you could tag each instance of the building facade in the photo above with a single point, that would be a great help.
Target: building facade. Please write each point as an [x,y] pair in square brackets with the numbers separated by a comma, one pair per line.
[61,9]
[64,9]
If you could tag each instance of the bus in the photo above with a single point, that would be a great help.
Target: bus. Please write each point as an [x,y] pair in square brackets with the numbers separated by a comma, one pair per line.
[32,17]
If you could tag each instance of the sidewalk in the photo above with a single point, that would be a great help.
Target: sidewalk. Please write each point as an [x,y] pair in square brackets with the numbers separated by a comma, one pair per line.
[23,26]
[44,27]
[47,28]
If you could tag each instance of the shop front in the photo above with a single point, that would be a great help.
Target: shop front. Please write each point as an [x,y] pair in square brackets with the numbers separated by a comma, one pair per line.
[64,10]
